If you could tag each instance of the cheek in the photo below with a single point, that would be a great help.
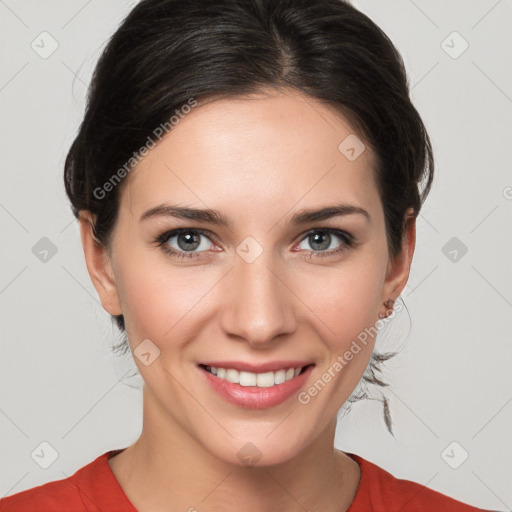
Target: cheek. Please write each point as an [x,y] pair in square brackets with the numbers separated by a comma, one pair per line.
[345,303]
[345,299]
[144,292]
[159,299]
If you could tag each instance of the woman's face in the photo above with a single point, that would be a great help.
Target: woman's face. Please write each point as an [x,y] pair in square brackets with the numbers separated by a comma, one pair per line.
[271,288]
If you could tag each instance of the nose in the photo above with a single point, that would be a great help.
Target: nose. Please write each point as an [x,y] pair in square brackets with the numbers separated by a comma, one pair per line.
[258,304]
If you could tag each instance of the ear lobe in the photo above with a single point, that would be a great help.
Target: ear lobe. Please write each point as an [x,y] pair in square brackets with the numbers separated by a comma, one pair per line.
[99,265]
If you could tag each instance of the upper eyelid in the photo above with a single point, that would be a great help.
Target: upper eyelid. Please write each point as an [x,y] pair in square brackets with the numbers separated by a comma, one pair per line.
[345,236]
[174,232]
[167,235]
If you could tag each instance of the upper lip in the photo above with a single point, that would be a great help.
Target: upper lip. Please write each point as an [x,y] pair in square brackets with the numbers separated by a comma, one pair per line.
[271,366]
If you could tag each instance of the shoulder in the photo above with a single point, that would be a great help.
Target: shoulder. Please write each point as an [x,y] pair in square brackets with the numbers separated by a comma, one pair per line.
[56,496]
[380,491]
[86,490]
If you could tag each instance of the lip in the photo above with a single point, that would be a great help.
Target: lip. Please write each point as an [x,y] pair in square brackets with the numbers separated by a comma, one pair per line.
[271,366]
[253,397]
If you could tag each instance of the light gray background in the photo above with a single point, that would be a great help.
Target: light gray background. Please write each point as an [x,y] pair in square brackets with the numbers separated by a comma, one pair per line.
[452,381]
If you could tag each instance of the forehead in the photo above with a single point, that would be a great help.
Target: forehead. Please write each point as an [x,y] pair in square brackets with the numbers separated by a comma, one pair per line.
[249,154]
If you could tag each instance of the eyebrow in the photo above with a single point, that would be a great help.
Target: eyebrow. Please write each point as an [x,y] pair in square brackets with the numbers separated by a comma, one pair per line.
[215,217]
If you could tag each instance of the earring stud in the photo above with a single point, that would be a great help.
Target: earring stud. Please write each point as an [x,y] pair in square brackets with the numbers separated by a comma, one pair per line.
[389,308]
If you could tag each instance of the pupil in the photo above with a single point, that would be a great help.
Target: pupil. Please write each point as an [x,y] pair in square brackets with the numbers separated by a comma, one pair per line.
[185,241]
[321,239]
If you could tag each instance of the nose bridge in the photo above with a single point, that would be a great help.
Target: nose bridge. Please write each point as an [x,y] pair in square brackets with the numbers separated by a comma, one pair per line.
[258,305]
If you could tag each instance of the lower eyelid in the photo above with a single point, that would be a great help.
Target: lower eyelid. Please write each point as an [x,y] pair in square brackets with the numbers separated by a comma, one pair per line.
[346,239]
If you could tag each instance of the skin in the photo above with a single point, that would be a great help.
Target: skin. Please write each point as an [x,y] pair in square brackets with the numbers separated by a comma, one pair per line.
[258,160]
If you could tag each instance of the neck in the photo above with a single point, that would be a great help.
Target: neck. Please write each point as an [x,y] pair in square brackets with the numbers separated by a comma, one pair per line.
[166,469]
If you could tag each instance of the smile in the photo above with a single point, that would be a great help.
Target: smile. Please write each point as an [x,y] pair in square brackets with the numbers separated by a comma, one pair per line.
[272,385]
[260,380]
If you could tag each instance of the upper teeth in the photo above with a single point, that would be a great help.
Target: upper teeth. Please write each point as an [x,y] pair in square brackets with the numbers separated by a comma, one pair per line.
[261,380]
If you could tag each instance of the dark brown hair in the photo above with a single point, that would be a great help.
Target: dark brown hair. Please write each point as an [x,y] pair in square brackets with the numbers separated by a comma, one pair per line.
[168,51]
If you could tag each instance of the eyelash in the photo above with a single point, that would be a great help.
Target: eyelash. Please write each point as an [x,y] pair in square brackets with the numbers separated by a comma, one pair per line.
[161,241]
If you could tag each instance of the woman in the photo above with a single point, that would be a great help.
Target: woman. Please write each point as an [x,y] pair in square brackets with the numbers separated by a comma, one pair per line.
[247,179]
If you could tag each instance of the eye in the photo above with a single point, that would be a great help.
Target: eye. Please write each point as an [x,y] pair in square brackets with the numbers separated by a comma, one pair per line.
[185,242]
[190,243]
[326,242]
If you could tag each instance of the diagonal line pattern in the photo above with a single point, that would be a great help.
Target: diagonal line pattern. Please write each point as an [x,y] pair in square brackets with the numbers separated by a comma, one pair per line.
[165,165]
[389,389]
[418,493]
[13,76]
[300,299]
[13,217]
[429,223]
[416,287]
[484,218]
[198,301]
[486,14]
[199,403]
[508,507]
[80,284]
[425,75]
[305,98]
[216,487]
[95,404]
[501,409]
[76,14]
[490,284]
[74,73]
[491,80]
[267,267]
[13,13]
[301,198]
[280,423]
[82,492]
[14,486]
[284,489]
[67,226]
[13,279]
[424,13]
[296,91]
[14,423]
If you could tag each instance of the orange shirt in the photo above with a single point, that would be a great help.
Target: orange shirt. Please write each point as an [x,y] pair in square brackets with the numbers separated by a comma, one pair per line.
[94,488]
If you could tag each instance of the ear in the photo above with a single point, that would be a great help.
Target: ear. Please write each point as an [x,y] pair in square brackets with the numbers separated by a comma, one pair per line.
[398,267]
[99,265]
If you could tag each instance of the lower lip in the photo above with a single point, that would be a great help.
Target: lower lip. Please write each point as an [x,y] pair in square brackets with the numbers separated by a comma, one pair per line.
[253,397]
